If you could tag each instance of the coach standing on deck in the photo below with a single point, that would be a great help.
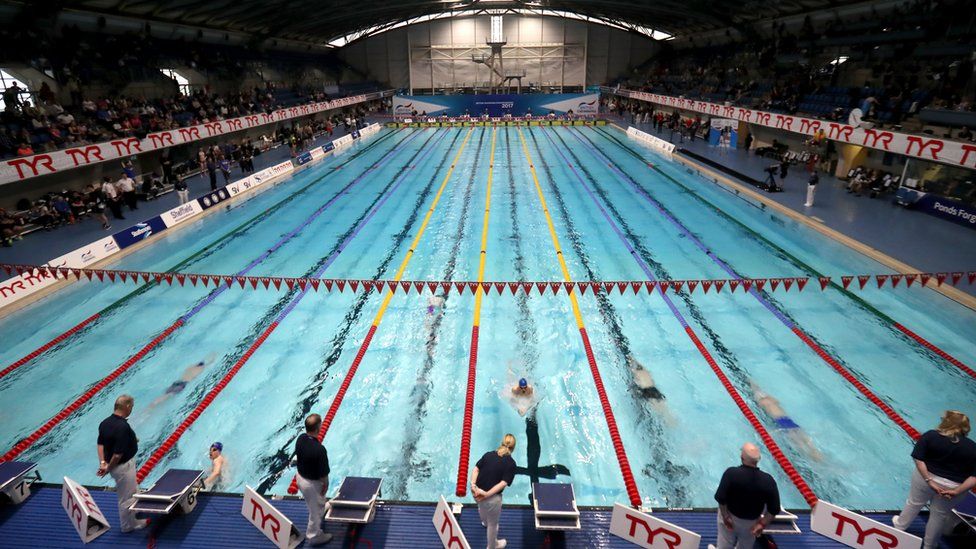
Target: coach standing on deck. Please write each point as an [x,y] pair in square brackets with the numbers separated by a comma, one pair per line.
[748,500]
[117,445]
[313,478]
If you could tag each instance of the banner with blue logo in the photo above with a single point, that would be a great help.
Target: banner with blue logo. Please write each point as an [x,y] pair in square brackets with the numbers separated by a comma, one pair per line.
[587,104]
[328,147]
[213,198]
[939,206]
[304,158]
[139,232]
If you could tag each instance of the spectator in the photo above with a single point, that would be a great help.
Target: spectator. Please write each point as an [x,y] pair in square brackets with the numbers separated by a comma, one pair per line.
[11,227]
[151,186]
[748,500]
[25,150]
[112,197]
[11,98]
[40,214]
[494,472]
[313,478]
[945,470]
[117,445]
[62,209]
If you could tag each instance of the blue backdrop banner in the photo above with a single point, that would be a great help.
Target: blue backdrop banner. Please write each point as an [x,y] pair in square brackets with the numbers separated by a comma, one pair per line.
[587,104]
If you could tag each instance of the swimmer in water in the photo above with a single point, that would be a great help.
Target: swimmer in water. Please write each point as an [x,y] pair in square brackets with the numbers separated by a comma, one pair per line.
[523,396]
[177,387]
[798,437]
[217,458]
[435,304]
[647,389]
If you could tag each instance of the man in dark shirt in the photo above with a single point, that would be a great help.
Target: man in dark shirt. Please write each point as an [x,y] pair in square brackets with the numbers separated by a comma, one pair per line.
[748,500]
[117,445]
[313,478]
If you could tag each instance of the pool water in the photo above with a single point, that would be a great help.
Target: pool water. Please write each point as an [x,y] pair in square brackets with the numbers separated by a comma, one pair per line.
[401,418]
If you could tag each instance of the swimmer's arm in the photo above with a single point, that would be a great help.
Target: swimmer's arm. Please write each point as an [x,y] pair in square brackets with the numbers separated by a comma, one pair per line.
[215,474]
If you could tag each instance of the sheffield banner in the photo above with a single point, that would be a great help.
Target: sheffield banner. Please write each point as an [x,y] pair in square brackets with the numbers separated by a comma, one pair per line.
[583,104]
[924,147]
[26,167]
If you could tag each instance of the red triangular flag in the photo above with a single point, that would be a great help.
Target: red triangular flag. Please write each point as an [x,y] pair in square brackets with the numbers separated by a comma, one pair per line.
[582,286]
[845,279]
[863,279]
[649,285]
[499,287]
[554,286]
[760,283]
[956,276]
[315,283]
[972,277]
[302,283]
[706,285]
[910,279]
[925,278]
[419,286]
[254,282]
[328,284]
[459,286]
[719,284]
[636,286]
[881,279]
[774,282]
[692,284]
[663,285]
[193,279]
[621,287]
[801,282]
[266,281]
[526,287]
[122,276]
[341,284]
[788,283]
[405,286]
[895,279]
[87,273]
[111,275]
[241,280]
[181,278]
[733,284]
[676,285]
[354,284]
[512,287]
[290,282]
[145,277]
[746,284]
[541,287]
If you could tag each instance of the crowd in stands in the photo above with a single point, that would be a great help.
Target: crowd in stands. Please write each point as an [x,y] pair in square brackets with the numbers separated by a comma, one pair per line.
[889,66]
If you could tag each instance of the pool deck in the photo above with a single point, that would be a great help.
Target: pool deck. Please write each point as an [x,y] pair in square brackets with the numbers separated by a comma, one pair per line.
[217,522]
[925,242]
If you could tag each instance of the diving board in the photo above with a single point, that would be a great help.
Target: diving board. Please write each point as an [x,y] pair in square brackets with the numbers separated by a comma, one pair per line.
[14,480]
[555,506]
[355,500]
[176,490]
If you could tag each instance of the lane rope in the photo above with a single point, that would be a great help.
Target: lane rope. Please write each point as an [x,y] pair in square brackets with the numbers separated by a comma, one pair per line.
[618,446]
[351,373]
[171,441]
[465,452]
[770,443]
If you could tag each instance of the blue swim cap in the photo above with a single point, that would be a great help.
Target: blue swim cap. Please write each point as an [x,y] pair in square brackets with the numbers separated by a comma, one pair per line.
[217,446]
[523,383]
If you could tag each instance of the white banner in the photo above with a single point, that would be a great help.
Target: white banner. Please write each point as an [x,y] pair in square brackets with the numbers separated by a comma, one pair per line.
[21,286]
[83,513]
[269,520]
[858,531]
[656,143]
[924,147]
[180,214]
[448,528]
[26,167]
[649,532]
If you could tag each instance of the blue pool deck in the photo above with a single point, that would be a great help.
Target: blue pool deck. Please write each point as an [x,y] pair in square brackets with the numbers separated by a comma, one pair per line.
[217,522]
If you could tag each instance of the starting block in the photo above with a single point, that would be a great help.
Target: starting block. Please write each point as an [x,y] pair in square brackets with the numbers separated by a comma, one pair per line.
[177,488]
[966,510]
[355,501]
[783,523]
[14,480]
[555,506]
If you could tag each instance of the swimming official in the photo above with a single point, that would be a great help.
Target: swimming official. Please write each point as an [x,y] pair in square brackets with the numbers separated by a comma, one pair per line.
[748,501]
[313,478]
[117,445]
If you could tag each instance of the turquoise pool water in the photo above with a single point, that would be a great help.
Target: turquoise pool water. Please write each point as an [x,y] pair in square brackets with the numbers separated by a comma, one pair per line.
[402,415]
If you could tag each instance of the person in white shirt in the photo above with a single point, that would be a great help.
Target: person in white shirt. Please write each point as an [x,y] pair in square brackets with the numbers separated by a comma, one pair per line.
[127,188]
[111,194]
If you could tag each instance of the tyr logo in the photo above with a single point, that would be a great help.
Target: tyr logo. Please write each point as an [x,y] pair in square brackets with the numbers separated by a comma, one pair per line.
[783,121]
[745,114]
[275,525]
[161,139]
[234,124]
[33,162]
[876,136]
[729,112]
[671,539]
[128,144]
[809,126]
[885,540]
[840,131]
[189,134]
[87,153]
[452,538]
[713,108]
[251,120]
[214,128]
[763,118]
[267,117]
[965,155]
[923,144]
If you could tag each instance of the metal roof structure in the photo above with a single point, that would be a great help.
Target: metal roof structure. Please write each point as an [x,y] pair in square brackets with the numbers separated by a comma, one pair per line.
[338,22]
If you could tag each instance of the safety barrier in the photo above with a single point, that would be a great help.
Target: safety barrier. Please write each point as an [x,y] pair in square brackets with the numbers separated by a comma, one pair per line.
[465,452]
[656,143]
[351,373]
[170,441]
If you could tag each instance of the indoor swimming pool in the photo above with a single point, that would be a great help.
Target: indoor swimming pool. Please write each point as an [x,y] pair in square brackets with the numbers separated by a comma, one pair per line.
[566,203]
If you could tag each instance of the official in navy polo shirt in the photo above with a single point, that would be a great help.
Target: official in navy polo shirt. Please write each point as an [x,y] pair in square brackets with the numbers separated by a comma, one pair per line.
[117,445]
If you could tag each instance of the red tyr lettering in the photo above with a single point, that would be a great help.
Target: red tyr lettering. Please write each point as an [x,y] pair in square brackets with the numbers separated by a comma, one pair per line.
[251,120]
[840,131]
[965,155]
[923,144]
[234,124]
[86,154]
[763,118]
[876,136]
[783,121]
[128,144]
[885,540]
[33,162]
[189,134]
[160,140]
[275,525]
[449,526]
[671,539]
[809,126]
[214,128]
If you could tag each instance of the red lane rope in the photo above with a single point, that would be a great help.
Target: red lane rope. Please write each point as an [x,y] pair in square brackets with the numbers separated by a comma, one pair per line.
[465,457]
[170,441]
[932,347]
[846,374]
[618,445]
[767,439]
[330,415]
[40,350]
[26,443]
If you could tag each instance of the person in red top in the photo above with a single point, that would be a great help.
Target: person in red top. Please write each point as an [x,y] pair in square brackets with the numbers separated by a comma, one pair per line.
[25,150]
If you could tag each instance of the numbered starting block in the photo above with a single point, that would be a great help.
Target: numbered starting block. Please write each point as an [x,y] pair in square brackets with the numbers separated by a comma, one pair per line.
[16,480]
[966,511]
[555,506]
[355,501]
[175,491]
[783,523]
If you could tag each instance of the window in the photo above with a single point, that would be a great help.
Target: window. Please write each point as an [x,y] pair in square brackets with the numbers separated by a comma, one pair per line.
[181,81]
[7,80]
[497,34]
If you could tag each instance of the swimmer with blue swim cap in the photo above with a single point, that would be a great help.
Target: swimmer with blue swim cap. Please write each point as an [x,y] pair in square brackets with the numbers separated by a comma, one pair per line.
[216,454]
[523,396]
